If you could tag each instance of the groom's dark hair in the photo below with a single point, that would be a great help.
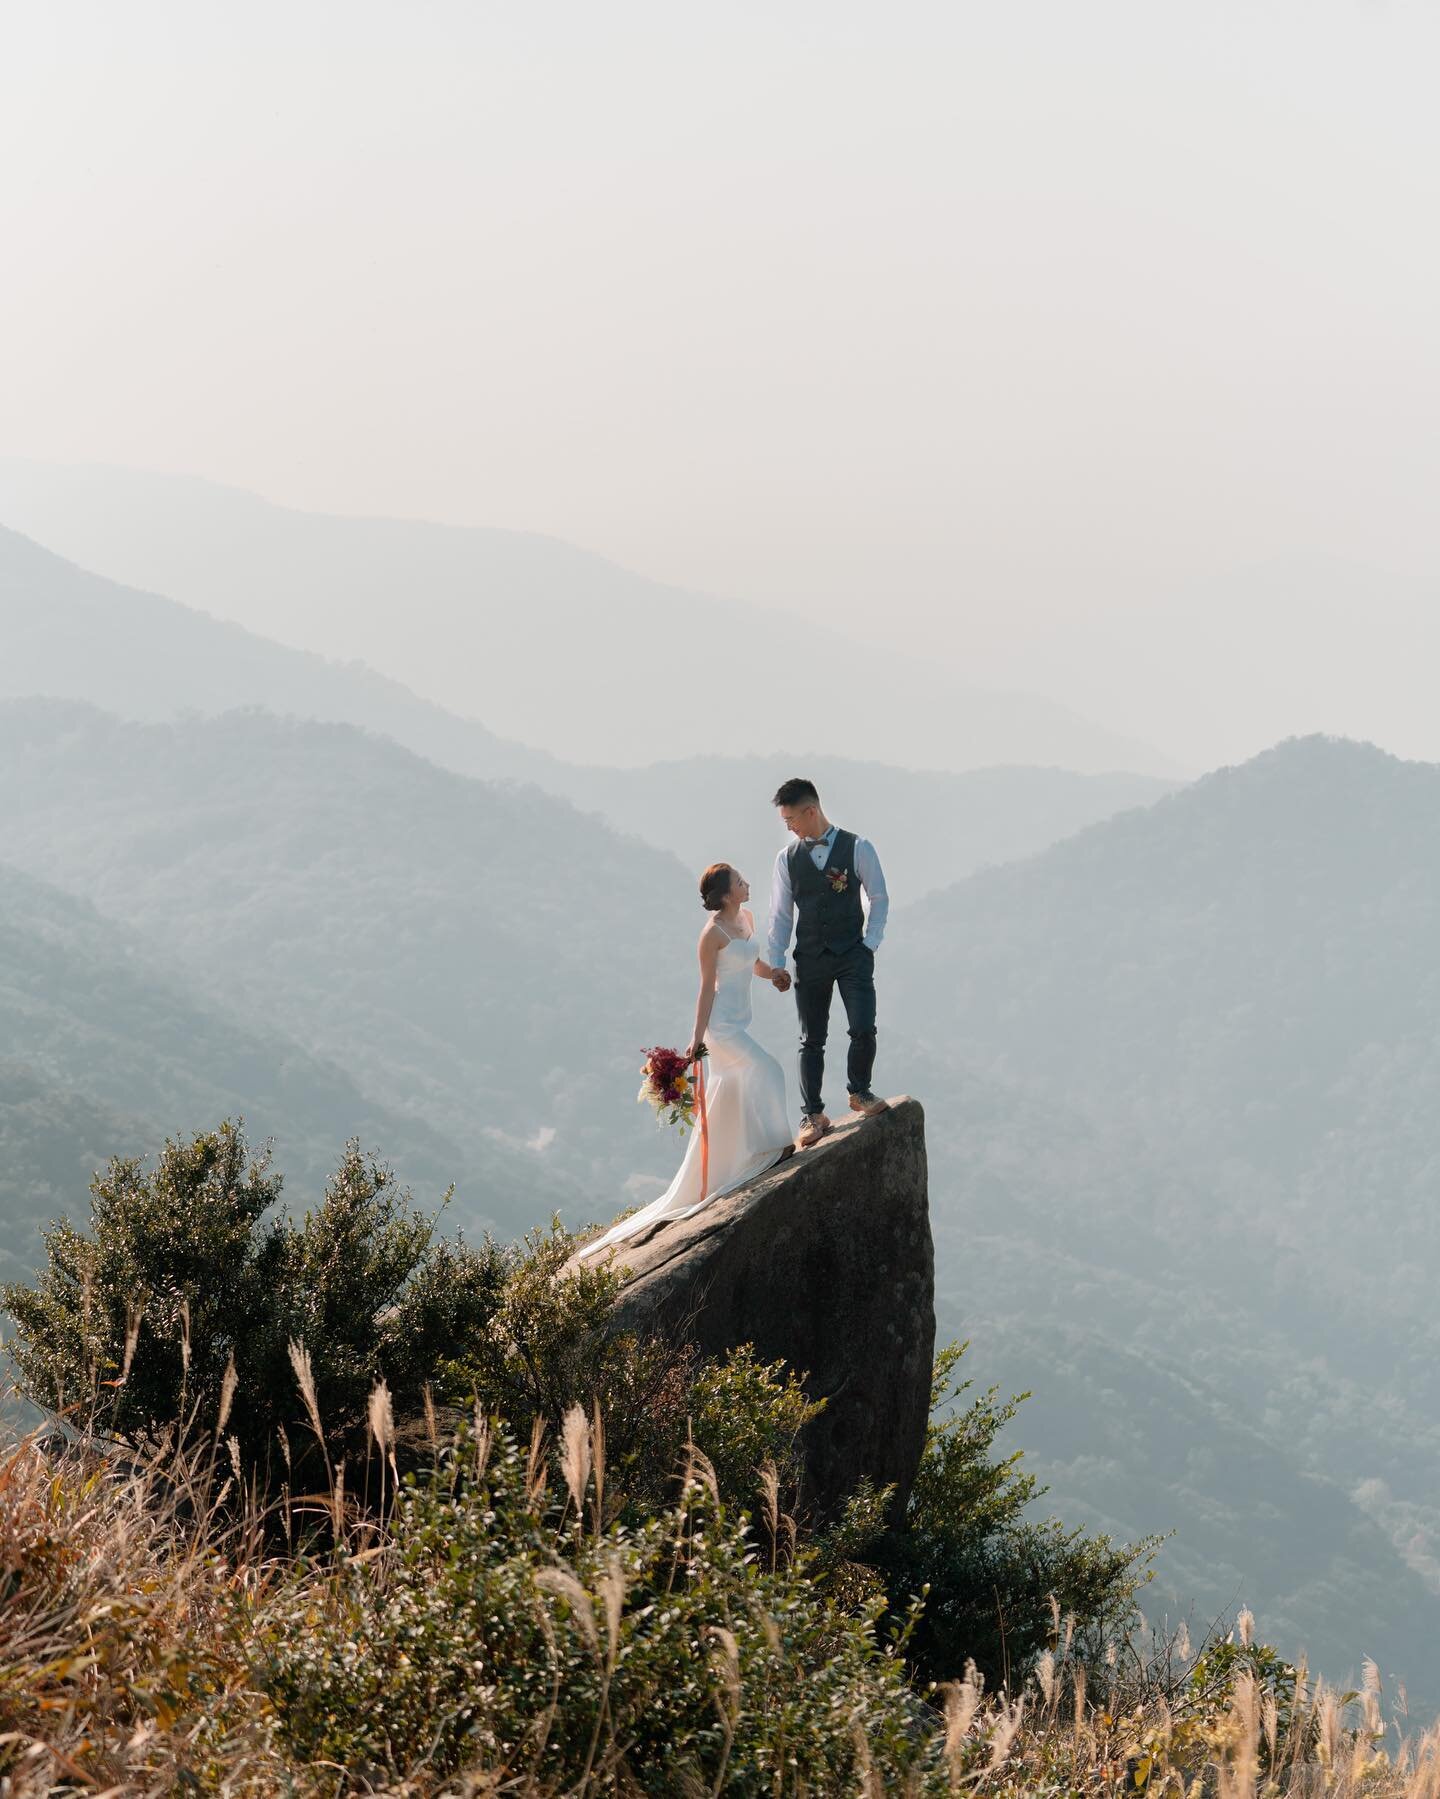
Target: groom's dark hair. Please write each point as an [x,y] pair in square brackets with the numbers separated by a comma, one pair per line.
[796,793]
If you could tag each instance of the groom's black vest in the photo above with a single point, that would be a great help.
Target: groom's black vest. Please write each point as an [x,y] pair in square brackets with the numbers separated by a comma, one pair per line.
[828,912]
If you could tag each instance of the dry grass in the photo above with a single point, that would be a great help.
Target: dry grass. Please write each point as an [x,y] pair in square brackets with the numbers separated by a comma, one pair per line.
[1054,1739]
[117,1668]
[126,1591]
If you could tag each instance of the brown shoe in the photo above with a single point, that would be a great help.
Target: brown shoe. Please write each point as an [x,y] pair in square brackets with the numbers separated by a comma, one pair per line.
[867,1104]
[813,1126]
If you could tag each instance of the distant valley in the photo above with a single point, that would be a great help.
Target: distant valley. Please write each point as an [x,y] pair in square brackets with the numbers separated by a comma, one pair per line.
[1184,1066]
[1177,1045]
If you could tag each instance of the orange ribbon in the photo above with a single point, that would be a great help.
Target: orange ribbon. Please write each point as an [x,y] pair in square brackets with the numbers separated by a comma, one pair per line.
[704,1129]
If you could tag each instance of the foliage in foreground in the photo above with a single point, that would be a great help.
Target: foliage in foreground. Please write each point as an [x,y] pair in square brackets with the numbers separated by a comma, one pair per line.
[191,1298]
[189,1282]
[491,1635]
[510,1630]
[243,1593]
[991,1573]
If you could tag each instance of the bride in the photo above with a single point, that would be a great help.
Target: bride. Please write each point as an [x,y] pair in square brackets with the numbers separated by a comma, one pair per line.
[749,1129]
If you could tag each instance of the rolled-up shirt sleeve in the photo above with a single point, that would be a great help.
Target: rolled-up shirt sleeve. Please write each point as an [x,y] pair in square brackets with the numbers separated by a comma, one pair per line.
[877,899]
[782,912]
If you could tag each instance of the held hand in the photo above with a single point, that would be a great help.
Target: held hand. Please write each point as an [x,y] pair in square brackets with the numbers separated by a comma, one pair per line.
[780,980]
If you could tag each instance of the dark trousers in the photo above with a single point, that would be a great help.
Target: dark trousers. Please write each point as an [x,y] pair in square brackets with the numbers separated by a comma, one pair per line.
[816,978]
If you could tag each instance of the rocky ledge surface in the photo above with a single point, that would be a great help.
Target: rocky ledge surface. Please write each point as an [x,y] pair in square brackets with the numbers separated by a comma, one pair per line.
[826,1262]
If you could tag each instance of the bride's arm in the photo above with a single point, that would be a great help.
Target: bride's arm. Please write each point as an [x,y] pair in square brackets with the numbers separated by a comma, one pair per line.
[764,972]
[777,977]
[710,940]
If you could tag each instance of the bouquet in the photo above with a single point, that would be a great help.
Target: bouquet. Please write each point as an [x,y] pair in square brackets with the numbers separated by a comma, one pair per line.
[669,1088]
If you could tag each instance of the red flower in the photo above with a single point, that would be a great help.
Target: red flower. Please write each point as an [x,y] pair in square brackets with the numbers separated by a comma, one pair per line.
[668,1087]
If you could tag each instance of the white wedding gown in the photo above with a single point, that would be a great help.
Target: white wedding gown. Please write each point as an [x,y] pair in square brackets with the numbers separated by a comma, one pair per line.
[745,1095]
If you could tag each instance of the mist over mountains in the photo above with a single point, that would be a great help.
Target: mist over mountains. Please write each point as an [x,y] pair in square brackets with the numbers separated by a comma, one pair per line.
[1178,1068]
[72,634]
[547,644]
[467,951]
[1244,972]
[1192,1057]
[106,1047]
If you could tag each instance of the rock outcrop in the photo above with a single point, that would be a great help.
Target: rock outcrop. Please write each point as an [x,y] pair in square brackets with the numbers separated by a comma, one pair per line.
[826,1262]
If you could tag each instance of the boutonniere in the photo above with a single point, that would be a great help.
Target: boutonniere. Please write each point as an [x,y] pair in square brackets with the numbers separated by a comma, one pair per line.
[839,878]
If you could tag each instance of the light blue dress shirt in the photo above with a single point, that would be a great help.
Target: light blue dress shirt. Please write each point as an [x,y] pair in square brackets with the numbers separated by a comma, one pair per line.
[782,898]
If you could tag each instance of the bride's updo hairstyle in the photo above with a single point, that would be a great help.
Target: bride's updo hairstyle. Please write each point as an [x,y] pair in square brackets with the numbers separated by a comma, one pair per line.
[715,884]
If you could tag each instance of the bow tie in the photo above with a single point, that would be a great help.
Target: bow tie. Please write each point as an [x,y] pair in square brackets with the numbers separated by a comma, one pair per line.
[816,843]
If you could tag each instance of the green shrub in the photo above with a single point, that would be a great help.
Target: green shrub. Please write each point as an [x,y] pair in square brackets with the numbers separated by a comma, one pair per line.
[189,1265]
[186,1266]
[551,1344]
[505,1631]
[147,1646]
[747,1414]
[993,1577]
[628,1633]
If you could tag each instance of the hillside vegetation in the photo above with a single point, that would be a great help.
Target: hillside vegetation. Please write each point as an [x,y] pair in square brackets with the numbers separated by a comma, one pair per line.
[486,961]
[52,1140]
[301,1545]
[487,971]
[511,1640]
[107,1041]
[1190,1056]
[1184,1060]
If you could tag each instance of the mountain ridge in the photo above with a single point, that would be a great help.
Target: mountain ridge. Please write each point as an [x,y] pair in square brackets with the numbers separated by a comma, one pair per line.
[491,606]
[74,635]
[466,951]
[1190,1055]
[96,1031]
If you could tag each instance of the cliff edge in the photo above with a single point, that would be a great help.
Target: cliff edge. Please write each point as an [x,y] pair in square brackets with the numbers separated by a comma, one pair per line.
[826,1262]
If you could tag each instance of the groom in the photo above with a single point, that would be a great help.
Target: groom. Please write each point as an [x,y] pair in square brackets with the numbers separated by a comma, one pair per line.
[822,876]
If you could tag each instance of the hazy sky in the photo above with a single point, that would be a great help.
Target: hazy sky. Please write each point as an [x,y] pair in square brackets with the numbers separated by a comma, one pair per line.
[1098,341]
